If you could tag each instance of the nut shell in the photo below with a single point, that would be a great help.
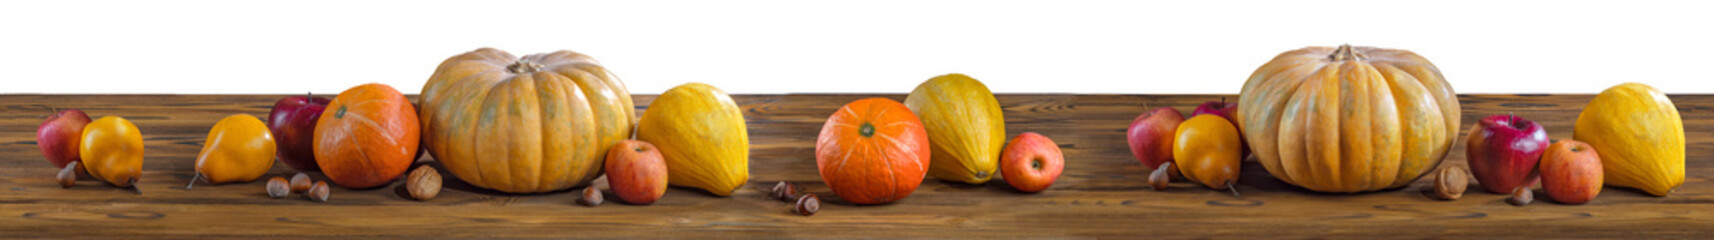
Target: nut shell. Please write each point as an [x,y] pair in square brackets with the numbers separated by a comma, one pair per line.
[786,191]
[1521,196]
[278,187]
[1161,177]
[301,182]
[423,183]
[68,175]
[318,192]
[1449,184]
[807,205]
[591,197]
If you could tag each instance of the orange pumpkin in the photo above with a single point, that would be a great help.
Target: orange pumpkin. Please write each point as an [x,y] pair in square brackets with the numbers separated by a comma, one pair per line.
[539,123]
[366,137]
[872,151]
[1348,119]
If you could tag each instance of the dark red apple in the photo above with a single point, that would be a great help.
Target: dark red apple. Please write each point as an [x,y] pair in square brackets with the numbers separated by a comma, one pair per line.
[1150,136]
[1503,151]
[1220,108]
[1229,111]
[59,136]
[293,124]
[636,172]
[1031,162]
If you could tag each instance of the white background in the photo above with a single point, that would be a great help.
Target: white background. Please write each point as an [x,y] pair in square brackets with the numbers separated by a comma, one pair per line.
[1129,47]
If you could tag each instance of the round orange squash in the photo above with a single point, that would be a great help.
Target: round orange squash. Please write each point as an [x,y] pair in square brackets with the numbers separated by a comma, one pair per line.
[872,151]
[539,123]
[1348,119]
[366,137]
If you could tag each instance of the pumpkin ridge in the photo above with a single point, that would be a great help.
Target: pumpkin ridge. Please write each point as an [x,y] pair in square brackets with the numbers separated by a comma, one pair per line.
[492,104]
[546,107]
[892,178]
[528,87]
[366,161]
[496,76]
[1318,138]
[1271,118]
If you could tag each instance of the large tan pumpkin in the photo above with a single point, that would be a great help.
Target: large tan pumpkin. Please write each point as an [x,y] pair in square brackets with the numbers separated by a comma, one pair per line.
[536,124]
[1348,119]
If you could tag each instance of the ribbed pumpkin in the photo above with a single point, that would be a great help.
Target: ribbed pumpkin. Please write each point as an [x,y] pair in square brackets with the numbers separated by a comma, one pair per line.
[965,125]
[367,136]
[702,136]
[1348,119]
[872,151]
[1639,135]
[539,123]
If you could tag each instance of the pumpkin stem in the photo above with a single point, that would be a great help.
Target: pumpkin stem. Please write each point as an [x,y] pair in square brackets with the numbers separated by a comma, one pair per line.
[1344,52]
[524,66]
[867,130]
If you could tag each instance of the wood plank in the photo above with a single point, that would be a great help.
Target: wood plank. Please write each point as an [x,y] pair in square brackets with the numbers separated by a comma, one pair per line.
[1101,194]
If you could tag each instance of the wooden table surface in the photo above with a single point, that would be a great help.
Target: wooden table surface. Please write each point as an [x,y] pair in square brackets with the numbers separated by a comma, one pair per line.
[1101,194]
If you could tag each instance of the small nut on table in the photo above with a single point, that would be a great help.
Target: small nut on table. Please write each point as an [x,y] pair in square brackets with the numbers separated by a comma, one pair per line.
[1160,178]
[785,191]
[68,175]
[1521,196]
[807,205]
[301,182]
[277,187]
[591,196]
[318,192]
[423,183]
[1449,184]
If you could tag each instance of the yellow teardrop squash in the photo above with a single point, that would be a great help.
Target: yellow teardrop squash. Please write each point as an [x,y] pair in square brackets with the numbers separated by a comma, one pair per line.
[701,134]
[1639,135]
[966,129]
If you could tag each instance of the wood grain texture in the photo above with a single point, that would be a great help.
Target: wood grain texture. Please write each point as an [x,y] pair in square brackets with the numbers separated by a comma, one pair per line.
[1101,194]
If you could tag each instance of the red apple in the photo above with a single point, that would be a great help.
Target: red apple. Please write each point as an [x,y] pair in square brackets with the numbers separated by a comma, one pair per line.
[59,136]
[1031,162]
[636,172]
[293,124]
[1227,110]
[1150,136]
[1571,172]
[1220,108]
[1503,151]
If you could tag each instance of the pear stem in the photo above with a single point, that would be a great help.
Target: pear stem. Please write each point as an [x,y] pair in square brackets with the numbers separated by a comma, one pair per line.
[1230,186]
[193,179]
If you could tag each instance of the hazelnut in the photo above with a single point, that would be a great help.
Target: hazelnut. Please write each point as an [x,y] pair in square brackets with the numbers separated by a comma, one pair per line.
[591,196]
[301,182]
[1449,184]
[1521,196]
[785,191]
[277,187]
[318,192]
[423,183]
[68,175]
[807,205]
[1160,178]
